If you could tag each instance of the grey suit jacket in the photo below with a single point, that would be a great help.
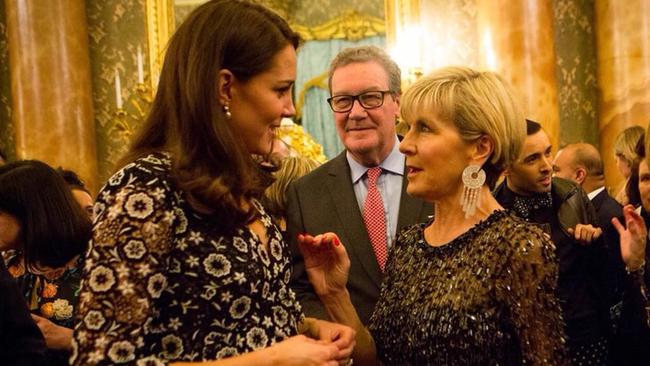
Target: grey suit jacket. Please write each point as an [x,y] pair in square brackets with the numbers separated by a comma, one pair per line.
[324,201]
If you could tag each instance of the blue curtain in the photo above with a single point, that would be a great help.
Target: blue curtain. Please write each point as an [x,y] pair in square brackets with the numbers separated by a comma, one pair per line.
[314,58]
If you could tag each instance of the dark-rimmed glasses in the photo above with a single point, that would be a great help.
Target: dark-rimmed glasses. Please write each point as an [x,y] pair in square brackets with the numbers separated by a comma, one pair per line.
[368,100]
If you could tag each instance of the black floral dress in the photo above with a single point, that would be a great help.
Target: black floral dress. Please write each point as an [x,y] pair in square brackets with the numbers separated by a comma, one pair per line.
[164,283]
[52,295]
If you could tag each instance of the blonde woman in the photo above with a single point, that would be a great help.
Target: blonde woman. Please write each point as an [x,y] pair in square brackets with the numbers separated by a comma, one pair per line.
[626,158]
[475,286]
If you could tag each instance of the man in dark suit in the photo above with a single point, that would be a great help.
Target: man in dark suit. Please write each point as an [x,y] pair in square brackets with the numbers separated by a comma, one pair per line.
[366,213]
[582,164]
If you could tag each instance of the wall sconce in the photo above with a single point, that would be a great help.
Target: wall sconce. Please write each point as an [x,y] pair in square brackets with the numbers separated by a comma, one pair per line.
[141,99]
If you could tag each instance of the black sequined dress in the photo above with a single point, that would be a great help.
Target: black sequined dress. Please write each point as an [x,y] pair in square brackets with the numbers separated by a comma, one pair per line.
[485,298]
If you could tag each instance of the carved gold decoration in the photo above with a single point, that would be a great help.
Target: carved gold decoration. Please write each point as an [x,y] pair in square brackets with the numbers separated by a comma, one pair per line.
[300,141]
[351,26]
[160,25]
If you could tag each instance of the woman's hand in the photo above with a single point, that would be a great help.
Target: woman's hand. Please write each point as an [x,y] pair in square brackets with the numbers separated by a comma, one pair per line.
[342,336]
[302,350]
[56,336]
[633,237]
[326,262]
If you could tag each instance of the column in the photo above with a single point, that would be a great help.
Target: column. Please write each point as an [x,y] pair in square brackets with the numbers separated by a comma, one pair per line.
[50,84]
[623,49]
[516,38]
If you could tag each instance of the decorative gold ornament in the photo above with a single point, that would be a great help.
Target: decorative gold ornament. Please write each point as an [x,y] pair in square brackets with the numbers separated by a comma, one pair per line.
[351,26]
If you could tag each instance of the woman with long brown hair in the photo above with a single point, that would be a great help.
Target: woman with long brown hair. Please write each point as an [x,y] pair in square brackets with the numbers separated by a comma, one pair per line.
[185,264]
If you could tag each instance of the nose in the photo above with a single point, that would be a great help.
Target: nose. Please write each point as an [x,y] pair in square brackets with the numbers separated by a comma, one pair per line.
[406,146]
[289,109]
[547,165]
[357,111]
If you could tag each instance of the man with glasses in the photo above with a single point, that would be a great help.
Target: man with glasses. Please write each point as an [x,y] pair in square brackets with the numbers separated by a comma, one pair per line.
[360,194]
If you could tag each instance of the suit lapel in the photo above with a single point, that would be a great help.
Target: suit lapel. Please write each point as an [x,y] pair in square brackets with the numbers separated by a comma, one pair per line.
[347,210]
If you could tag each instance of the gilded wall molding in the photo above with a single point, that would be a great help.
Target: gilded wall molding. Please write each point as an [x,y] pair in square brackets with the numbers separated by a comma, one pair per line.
[351,26]
[160,26]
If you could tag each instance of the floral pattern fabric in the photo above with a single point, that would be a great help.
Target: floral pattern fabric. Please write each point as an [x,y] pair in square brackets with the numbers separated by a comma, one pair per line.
[52,295]
[164,282]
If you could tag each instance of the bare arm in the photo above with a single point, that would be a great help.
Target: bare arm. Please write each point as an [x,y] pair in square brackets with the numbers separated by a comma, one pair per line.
[327,265]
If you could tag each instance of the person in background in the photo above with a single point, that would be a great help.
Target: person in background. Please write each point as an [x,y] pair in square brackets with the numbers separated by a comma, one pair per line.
[79,191]
[632,337]
[624,152]
[21,342]
[581,163]
[475,285]
[49,233]
[360,194]
[185,265]
[563,209]
[275,197]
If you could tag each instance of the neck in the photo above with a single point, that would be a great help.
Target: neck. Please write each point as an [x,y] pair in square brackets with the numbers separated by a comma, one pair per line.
[590,185]
[450,221]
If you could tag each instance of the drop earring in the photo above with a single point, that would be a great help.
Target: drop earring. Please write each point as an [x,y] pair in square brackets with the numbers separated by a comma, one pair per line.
[473,180]
[226,111]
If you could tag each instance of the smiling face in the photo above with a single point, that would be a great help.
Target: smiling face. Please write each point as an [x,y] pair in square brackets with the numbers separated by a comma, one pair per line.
[368,134]
[531,173]
[259,104]
[435,158]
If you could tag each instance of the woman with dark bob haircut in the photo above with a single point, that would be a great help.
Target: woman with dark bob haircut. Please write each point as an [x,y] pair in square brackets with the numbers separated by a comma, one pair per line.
[46,234]
[185,265]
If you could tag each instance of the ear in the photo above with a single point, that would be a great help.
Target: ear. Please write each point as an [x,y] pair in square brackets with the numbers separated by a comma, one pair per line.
[225,81]
[483,148]
[580,175]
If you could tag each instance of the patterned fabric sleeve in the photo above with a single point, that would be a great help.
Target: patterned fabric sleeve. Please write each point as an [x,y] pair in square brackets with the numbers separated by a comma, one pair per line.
[527,287]
[125,269]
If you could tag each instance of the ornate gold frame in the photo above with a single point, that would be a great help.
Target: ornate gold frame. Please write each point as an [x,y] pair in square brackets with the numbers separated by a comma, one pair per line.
[351,25]
[160,25]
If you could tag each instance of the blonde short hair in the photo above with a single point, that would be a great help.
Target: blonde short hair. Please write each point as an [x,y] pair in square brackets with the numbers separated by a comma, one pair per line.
[478,103]
[291,168]
[625,145]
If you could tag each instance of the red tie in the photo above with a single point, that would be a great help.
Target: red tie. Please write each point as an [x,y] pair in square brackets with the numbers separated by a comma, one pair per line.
[374,218]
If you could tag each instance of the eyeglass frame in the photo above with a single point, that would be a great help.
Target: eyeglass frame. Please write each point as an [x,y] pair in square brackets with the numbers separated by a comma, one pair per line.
[356,98]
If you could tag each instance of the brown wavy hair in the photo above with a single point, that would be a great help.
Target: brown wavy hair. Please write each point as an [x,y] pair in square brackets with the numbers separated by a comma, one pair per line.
[209,161]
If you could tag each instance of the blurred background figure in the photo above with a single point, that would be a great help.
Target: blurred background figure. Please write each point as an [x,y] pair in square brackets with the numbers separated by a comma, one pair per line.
[48,233]
[624,150]
[275,196]
[79,191]
[632,338]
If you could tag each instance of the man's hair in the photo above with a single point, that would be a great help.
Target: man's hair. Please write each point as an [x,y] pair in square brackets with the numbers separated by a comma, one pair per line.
[532,127]
[367,54]
[588,156]
[72,179]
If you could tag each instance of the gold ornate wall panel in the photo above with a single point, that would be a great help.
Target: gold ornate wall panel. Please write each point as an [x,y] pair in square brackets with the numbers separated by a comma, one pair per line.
[623,39]
[116,30]
[311,13]
[575,48]
[7,140]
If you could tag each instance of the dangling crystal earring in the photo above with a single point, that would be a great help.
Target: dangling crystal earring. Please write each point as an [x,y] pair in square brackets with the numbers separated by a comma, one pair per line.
[473,180]
[226,111]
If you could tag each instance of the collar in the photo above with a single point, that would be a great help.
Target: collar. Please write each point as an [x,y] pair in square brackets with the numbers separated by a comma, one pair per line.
[595,193]
[393,163]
